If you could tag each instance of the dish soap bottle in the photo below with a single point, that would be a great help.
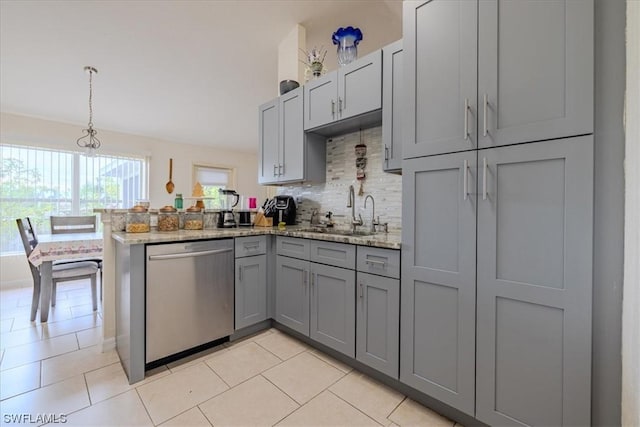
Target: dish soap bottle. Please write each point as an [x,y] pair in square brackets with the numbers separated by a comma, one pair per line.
[178,202]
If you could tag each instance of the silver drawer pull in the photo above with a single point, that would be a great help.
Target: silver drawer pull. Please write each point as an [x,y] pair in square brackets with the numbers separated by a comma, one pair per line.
[252,247]
[375,262]
[188,254]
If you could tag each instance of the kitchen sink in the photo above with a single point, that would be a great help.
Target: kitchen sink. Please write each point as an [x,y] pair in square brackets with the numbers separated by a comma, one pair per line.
[329,230]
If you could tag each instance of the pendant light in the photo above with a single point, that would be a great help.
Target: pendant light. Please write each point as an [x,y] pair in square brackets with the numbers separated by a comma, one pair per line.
[89,141]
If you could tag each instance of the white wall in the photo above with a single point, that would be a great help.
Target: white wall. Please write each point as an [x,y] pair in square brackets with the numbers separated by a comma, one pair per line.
[631,298]
[28,130]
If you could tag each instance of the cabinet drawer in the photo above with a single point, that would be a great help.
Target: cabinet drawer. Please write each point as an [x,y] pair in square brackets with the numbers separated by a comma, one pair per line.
[251,245]
[383,262]
[331,253]
[293,247]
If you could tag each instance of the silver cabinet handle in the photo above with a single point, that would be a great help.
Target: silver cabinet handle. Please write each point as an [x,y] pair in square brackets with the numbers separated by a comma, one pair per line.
[188,254]
[465,178]
[274,170]
[375,262]
[484,178]
[361,290]
[333,107]
[386,153]
[466,118]
[313,275]
[240,273]
[305,273]
[484,115]
[280,170]
[252,246]
[340,105]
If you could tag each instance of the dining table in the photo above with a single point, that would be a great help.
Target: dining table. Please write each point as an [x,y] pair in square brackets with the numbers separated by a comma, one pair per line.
[57,247]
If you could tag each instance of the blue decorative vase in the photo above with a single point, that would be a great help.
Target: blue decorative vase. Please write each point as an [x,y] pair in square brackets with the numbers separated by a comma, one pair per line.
[347,40]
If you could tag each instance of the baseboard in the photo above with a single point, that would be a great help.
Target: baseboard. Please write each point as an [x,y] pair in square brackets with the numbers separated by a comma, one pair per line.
[108,344]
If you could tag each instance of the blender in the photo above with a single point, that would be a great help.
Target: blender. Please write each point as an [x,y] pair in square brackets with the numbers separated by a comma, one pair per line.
[228,200]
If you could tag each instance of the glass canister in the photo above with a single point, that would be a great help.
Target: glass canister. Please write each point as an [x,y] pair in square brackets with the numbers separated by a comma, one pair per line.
[193,219]
[138,220]
[210,218]
[168,219]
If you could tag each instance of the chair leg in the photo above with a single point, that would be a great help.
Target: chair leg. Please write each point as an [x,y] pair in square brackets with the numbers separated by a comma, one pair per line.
[54,286]
[101,287]
[94,298]
[35,299]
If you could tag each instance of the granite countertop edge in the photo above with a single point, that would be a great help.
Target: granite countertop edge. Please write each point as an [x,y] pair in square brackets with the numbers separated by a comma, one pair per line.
[379,240]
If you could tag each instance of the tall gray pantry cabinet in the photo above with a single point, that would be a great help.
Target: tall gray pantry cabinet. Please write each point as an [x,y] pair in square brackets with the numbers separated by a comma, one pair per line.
[497,242]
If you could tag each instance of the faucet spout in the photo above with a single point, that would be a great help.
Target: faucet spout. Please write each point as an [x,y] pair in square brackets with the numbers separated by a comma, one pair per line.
[352,204]
[373,212]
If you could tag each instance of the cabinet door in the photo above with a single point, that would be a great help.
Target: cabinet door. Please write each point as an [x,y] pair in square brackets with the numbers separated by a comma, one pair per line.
[378,320]
[292,293]
[535,70]
[534,284]
[251,290]
[292,160]
[360,86]
[268,143]
[392,99]
[438,277]
[320,103]
[441,70]
[333,307]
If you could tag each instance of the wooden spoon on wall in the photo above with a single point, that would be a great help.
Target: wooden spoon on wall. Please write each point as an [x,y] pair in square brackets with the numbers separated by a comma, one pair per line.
[170,185]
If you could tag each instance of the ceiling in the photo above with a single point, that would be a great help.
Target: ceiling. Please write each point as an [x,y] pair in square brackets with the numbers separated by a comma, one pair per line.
[183,71]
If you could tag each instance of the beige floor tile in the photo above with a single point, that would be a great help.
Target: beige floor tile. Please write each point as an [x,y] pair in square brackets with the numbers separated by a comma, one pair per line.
[28,353]
[192,418]
[411,413]
[303,376]
[123,410]
[196,358]
[60,398]
[19,380]
[241,363]
[283,346]
[111,380]
[78,362]
[331,361]
[5,325]
[175,393]
[22,336]
[89,337]
[252,403]
[371,397]
[56,314]
[327,410]
[250,338]
[82,310]
[72,325]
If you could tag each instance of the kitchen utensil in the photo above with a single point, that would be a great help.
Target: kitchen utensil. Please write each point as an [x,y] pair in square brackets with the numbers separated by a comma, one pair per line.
[170,185]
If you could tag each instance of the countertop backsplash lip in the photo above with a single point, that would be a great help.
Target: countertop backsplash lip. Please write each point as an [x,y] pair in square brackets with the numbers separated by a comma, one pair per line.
[332,195]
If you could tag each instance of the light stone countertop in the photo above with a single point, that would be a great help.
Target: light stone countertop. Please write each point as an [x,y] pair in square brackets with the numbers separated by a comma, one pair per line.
[380,240]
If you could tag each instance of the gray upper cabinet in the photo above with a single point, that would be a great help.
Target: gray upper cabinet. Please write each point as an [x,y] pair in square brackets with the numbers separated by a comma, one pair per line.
[392,101]
[333,305]
[535,213]
[269,142]
[440,55]
[535,70]
[378,322]
[286,153]
[250,290]
[292,293]
[496,72]
[438,295]
[352,90]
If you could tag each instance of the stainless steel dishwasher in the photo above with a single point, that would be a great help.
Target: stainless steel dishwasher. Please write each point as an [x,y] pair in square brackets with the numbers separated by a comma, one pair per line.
[189,296]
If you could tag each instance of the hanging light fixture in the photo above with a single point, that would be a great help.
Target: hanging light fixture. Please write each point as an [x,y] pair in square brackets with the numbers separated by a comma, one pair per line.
[89,141]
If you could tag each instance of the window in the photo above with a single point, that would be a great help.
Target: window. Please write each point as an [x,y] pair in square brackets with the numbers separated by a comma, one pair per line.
[213,178]
[38,183]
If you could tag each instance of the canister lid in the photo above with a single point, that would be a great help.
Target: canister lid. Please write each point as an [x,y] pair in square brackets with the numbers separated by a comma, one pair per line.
[138,209]
[193,209]
[168,209]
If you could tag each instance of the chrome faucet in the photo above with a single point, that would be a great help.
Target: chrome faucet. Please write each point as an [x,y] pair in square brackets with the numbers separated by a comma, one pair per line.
[373,212]
[351,203]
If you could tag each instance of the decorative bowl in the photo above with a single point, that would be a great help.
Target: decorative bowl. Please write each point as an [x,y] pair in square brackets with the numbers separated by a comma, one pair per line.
[288,85]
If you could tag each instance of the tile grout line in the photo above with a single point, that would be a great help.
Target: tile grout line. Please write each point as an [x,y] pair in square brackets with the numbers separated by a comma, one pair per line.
[394,409]
[357,409]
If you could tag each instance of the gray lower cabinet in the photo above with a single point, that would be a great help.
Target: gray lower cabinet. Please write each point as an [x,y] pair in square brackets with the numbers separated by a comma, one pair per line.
[250,290]
[392,104]
[333,317]
[535,214]
[292,293]
[378,322]
[438,295]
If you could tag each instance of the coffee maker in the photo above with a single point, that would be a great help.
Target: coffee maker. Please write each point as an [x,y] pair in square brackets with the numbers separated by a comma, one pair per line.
[228,200]
[285,210]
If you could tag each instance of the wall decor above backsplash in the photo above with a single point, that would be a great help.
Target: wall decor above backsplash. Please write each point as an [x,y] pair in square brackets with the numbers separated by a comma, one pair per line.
[332,195]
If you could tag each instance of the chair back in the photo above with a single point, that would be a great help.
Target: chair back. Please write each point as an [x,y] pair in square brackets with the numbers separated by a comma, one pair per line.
[27,234]
[73,224]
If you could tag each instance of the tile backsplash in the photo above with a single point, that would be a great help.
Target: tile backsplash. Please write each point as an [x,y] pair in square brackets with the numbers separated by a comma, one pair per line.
[332,195]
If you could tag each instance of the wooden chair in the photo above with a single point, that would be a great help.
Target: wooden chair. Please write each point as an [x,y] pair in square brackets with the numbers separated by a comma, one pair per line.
[60,272]
[76,224]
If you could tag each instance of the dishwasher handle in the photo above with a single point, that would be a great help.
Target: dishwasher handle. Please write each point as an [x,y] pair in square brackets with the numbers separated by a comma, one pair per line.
[188,254]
